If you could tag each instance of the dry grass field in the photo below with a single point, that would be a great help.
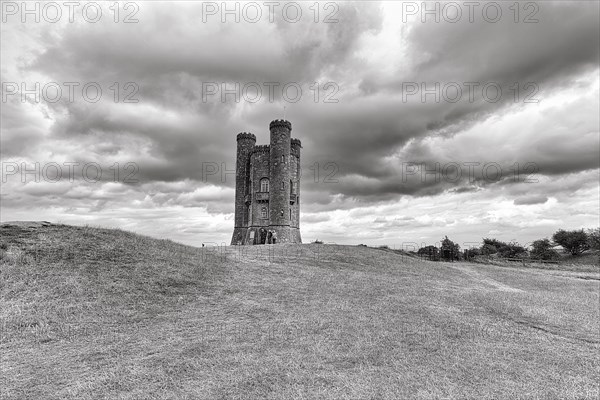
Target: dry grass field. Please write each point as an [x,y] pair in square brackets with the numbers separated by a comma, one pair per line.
[97,313]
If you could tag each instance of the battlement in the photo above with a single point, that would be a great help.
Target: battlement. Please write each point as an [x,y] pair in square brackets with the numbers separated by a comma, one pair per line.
[296,142]
[246,135]
[280,123]
[261,148]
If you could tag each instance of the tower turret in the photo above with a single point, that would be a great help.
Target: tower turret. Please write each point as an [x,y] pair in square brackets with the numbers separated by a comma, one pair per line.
[279,196]
[295,174]
[245,145]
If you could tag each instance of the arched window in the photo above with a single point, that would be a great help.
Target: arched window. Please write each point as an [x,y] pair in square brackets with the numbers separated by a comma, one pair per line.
[292,187]
[264,185]
[264,212]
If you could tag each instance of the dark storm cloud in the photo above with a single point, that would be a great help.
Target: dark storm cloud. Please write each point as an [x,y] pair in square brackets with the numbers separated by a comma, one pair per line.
[165,147]
[530,200]
[185,52]
[552,54]
[562,43]
[368,135]
[174,128]
[21,132]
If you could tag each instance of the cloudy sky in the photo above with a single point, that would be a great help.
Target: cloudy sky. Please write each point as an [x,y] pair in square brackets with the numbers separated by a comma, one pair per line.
[482,123]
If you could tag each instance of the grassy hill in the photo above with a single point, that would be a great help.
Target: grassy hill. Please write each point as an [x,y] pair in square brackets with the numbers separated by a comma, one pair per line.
[98,313]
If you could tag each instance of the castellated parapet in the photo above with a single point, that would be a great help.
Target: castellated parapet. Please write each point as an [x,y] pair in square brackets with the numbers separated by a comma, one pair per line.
[267,188]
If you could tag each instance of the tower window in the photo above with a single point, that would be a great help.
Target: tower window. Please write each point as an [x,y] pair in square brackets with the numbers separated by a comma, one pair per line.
[292,187]
[282,158]
[264,185]
[290,214]
[283,185]
[263,212]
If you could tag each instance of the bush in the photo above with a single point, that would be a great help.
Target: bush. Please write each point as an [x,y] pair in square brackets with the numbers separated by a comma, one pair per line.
[594,238]
[317,241]
[488,249]
[507,250]
[542,250]
[513,249]
[449,250]
[575,242]
[430,252]
[472,253]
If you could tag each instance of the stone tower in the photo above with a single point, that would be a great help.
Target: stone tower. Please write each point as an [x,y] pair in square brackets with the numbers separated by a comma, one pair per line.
[267,188]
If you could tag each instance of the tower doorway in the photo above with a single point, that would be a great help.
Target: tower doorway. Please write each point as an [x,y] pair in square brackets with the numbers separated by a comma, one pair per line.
[263,236]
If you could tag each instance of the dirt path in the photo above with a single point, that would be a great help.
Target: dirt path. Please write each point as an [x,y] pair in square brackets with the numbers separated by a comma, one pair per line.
[480,278]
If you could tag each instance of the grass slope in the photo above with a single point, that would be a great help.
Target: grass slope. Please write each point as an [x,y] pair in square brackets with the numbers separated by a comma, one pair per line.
[97,313]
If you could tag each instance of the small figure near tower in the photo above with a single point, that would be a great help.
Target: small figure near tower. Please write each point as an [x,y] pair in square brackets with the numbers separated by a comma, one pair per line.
[267,188]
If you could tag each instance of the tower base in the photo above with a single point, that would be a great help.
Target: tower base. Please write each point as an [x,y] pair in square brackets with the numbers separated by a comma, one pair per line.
[239,236]
[265,235]
[286,234]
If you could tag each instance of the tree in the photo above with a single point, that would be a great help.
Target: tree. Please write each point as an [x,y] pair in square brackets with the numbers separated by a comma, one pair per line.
[508,250]
[493,242]
[488,249]
[449,250]
[430,252]
[542,250]
[594,238]
[472,253]
[575,242]
[513,249]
